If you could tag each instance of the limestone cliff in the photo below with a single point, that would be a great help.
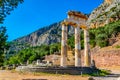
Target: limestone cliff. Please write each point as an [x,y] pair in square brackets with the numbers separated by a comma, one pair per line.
[46,35]
[107,12]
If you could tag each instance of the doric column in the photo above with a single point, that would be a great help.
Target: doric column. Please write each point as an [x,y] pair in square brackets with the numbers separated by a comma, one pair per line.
[64,46]
[87,55]
[77,47]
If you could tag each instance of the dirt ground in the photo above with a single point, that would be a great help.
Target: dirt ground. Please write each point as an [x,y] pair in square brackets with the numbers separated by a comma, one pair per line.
[12,75]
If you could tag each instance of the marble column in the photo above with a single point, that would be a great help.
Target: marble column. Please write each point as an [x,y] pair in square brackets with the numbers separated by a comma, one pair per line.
[77,47]
[87,55]
[64,46]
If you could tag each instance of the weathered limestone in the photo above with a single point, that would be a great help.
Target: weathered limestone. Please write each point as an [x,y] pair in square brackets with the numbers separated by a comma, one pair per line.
[87,55]
[77,47]
[77,20]
[37,62]
[64,46]
[109,1]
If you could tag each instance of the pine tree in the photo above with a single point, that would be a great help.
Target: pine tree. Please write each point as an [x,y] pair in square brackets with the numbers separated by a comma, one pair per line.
[6,6]
[3,44]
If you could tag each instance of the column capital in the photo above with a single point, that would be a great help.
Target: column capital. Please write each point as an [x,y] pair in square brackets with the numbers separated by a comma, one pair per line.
[84,27]
[73,24]
[65,23]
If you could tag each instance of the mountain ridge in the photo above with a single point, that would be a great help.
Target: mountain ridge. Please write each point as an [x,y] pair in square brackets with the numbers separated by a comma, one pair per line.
[52,33]
[32,38]
[105,13]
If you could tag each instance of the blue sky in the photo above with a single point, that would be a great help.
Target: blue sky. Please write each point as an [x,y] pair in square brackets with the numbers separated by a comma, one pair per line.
[34,14]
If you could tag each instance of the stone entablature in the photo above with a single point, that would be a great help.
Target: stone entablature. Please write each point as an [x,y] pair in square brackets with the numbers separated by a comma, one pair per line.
[76,19]
[77,15]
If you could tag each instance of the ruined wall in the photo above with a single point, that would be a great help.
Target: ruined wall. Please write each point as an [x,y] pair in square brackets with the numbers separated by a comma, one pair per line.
[103,58]
[107,58]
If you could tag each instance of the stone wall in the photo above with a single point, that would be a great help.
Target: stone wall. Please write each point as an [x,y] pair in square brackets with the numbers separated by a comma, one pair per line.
[107,58]
[102,57]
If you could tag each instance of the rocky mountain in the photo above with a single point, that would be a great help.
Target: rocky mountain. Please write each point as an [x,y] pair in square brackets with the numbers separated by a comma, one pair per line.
[46,35]
[107,12]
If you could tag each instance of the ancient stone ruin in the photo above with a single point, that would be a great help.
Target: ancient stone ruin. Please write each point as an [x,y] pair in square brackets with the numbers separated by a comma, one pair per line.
[78,21]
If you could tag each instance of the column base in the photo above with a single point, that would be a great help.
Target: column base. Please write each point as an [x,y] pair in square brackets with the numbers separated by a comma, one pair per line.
[77,62]
[63,62]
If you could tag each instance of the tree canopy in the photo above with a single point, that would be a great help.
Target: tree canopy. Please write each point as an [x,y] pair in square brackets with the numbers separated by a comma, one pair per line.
[6,6]
[32,53]
[3,44]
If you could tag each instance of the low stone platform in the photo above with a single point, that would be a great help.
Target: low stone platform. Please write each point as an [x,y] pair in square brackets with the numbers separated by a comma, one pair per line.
[61,70]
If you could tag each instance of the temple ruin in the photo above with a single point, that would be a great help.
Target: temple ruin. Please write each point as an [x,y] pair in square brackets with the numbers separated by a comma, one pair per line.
[78,21]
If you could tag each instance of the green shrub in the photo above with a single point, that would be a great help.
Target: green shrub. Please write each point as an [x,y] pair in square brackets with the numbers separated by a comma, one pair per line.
[100,73]
[118,46]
